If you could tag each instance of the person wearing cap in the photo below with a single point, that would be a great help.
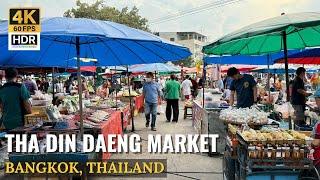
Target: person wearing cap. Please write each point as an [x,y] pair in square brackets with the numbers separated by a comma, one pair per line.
[245,86]
[299,96]
[151,93]
[14,101]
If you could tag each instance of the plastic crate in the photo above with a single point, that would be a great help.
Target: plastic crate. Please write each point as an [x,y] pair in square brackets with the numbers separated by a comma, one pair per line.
[273,175]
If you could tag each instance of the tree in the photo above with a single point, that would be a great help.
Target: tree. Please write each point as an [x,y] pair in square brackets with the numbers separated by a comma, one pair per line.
[187,62]
[99,11]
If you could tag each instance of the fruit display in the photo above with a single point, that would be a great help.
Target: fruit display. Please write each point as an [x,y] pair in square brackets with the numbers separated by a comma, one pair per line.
[271,135]
[312,115]
[70,103]
[244,116]
[40,99]
[132,93]
[53,113]
[285,109]
[232,129]
[100,115]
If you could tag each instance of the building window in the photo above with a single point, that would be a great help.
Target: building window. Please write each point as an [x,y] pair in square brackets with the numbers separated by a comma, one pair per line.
[171,39]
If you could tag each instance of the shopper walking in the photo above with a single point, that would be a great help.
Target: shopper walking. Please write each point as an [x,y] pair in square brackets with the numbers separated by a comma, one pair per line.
[299,96]
[14,101]
[172,91]
[151,93]
[186,86]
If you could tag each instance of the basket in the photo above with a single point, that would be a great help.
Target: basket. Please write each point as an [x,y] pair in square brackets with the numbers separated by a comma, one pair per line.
[41,110]
[34,118]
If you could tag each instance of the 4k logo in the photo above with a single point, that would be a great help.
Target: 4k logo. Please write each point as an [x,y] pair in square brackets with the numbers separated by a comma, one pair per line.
[24,29]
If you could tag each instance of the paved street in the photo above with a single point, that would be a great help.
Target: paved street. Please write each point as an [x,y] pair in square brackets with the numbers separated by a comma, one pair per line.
[180,166]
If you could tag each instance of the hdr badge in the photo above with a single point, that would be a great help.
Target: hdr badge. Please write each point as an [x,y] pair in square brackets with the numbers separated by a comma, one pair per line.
[24,29]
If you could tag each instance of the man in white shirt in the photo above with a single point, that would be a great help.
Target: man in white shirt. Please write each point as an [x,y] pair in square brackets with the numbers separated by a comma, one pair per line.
[186,87]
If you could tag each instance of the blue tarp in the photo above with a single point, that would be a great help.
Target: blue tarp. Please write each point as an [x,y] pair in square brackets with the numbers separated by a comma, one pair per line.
[246,60]
[108,42]
[306,53]
[158,67]
[274,71]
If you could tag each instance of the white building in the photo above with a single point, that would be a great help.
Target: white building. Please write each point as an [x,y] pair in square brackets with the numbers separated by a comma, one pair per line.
[192,40]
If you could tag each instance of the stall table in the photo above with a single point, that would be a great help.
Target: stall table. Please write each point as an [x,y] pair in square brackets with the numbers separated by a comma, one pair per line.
[126,116]
[110,126]
[139,104]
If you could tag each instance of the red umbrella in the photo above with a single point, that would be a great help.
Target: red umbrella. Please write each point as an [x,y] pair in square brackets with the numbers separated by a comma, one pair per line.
[241,68]
[84,69]
[309,56]
[302,60]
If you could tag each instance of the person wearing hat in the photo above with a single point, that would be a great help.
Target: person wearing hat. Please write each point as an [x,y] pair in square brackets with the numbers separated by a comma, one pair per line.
[14,101]
[245,86]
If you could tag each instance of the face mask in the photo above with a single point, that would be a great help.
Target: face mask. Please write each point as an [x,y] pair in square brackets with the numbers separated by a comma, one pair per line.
[148,79]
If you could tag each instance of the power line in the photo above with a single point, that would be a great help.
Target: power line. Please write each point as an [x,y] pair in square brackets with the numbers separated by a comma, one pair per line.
[195,10]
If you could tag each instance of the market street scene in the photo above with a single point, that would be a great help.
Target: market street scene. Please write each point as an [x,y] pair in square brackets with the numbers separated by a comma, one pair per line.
[158,89]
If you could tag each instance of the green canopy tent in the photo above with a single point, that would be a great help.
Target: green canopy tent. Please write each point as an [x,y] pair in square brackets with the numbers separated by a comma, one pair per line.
[292,31]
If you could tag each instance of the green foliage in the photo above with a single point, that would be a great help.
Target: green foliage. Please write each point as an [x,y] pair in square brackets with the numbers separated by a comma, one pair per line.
[188,62]
[98,10]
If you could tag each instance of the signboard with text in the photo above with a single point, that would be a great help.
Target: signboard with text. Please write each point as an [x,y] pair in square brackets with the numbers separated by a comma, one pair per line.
[24,29]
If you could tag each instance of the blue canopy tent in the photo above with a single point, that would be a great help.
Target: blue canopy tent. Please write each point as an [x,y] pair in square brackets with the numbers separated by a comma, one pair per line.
[246,59]
[274,70]
[154,67]
[111,44]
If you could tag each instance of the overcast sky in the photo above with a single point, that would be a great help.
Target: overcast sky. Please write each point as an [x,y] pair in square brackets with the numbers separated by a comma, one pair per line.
[213,22]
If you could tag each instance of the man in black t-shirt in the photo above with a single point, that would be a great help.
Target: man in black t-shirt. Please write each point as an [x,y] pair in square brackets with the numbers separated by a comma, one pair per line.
[245,87]
[298,96]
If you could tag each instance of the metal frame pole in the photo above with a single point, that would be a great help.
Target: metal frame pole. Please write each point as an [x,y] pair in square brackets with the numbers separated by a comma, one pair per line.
[79,86]
[130,101]
[285,51]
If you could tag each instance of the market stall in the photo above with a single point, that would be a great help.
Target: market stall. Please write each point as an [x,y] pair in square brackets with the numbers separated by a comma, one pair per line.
[293,31]
[69,43]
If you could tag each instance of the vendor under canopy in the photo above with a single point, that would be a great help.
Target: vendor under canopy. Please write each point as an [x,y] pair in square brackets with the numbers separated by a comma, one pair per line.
[14,101]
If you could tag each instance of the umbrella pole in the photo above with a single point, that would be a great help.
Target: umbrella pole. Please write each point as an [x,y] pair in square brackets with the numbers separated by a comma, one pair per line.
[116,94]
[53,84]
[79,86]
[130,100]
[204,82]
[269,98]
[285,51]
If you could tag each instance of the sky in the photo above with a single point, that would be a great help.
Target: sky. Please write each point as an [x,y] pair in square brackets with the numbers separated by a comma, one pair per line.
[214,22]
